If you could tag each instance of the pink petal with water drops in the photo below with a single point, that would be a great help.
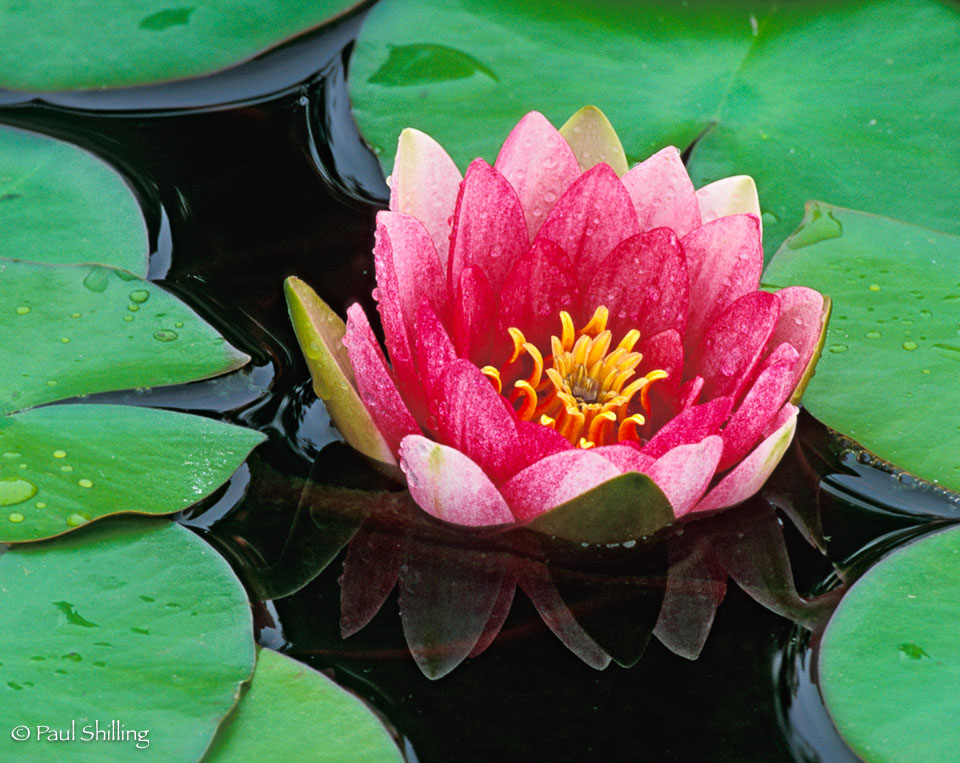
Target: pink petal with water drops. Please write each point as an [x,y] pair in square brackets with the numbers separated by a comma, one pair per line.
[663,351]
[539,164]
[750,474]
[643,282]
[424,184]
[801,311]
[434,351]
[540,285]
[662,193]
[375,383]
[761,403]
[475,420]
[734,343]
[489,229]
[555,480]
[446,484]
[474,312]
[590,219]
[724,262]
[690,426]
[684,472]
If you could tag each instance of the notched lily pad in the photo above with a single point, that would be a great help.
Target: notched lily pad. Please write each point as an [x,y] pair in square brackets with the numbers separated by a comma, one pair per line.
[627,508]
[291,711]
[889,665]
[60,204]
[85,44]
[108,628]
[62,466]
[893,335]
[78,329]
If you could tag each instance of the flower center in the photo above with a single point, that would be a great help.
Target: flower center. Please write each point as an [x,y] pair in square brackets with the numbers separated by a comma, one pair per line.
[583,389]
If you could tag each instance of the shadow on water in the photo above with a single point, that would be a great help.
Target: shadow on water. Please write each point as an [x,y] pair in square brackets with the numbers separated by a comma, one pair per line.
[257,173]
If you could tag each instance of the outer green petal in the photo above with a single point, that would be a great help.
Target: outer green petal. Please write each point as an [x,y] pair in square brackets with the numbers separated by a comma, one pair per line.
[593,140]
[320,333]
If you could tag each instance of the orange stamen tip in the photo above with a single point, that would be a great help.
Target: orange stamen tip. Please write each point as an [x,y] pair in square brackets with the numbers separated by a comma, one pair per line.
[518,341]
[585,443]
[529,404]
[598,322]
[568,332]
[628,428]
[547,421]
[629,340]
[494,376]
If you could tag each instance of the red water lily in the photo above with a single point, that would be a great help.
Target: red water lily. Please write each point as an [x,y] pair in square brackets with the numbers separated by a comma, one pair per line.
[554,321]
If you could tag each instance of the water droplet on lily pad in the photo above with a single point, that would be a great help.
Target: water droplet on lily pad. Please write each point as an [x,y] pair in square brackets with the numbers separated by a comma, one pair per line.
[133,308]
[97,279]
[77,519]
[16,517]
[874,335]
[128,318]
[14,490]
[165,335]
[139,296]
[179,324]
[821,226]
[23,310]
[85,482]
[910,345]
[838,348]
[59,454]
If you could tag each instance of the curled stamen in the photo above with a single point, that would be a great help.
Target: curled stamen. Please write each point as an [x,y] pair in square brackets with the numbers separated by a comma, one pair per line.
[529,404]
[567,334]
[600,422]
[628,428]
[598,322]
[493,375]
[645,392]
[518,341]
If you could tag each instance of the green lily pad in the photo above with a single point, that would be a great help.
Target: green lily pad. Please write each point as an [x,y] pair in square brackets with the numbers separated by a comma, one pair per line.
[291,711]
[64,465]
[83,44]
[60,204]
[892,350]
[889,665]
[764,84]
[628,507]
[72,330]
[139,627]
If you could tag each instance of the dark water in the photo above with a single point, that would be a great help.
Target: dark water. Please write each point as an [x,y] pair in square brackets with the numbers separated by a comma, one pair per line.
[256,174]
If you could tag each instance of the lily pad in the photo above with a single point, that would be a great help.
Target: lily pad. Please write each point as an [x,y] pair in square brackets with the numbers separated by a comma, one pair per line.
[892,349]
[110,632]
[763,85]
[60,204]
[84,44]
[293,712]
[889,665]
[64,465]
[628,507]
[72,330]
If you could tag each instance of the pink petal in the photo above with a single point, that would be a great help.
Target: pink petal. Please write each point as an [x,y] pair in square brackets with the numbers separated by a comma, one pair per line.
[690,426]
[724,261]
[449,486]
[537,441]
[374,381]
[434,351]
[424,184]
[750,474]
[734,342]
[684,472]
[488,226]
[590,219]
[643,282]
[474,316]
[475,420]
[663,351]
[734,195]
[626,456]
[690,392]
[662,193]
[762,402]
[540,166]
[555,480]
[801,314]
[540,285]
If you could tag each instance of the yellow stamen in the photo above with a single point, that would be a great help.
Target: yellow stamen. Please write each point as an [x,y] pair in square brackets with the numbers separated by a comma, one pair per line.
[493,375]
[582,390]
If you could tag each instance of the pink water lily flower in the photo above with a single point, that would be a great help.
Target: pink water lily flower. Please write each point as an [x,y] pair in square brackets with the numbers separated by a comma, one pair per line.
[556,320]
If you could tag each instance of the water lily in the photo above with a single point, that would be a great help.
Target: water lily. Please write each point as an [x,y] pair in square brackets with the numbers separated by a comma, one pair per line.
[556,321]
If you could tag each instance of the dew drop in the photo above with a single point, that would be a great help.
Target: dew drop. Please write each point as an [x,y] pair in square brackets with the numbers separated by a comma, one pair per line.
[139,296]
[874,287]
[66,468]
[16,517]
[165,335]
[133,308]
[75,520]
[41,505]
[59,454]
[85,482]
[65,339]
[74,315]
[23,310]
[128,318]
[874,335]
[52,382]
[96,279]
[14,490]
[910,345]
[838,348]
[179,324]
